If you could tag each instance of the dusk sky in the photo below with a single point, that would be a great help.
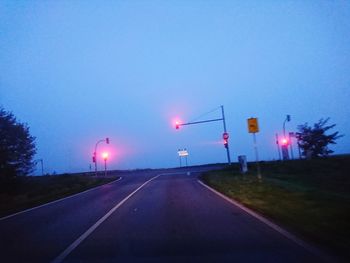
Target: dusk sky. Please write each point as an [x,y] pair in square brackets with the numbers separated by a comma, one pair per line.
[80,71]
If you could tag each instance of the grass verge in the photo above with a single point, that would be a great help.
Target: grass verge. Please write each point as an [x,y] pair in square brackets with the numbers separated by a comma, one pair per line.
[309,198]
[25,192]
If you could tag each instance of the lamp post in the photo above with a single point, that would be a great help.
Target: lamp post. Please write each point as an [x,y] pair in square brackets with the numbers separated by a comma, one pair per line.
[94,158]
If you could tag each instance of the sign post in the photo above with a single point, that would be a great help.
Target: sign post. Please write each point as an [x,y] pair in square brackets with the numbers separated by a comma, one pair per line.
[183,153]
[253,127]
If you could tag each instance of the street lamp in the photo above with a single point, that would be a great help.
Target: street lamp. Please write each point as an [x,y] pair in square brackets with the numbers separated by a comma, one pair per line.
[94,159]
[105,157]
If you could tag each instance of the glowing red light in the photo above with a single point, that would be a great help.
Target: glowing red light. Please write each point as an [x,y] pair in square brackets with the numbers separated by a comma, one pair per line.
[226,143]
[284,141]
[105,155]
[177,124]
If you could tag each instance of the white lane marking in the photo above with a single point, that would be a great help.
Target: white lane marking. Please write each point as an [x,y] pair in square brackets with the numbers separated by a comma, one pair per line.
[80,239]
[56,201]
[277,228]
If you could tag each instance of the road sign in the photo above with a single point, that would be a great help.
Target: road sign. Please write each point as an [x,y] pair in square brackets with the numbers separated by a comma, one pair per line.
[183,153]
[253,126]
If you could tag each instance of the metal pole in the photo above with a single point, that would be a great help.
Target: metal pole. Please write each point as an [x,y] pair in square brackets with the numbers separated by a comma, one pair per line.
[186,161]
[299,149]
[106,167]
[224,122]
[95,161]
[278,147]
[257,156]
[285,151]
[95,155]
[291,147]
[198,122]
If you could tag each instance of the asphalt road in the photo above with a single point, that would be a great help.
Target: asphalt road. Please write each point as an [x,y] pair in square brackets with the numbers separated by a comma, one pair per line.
[152,216]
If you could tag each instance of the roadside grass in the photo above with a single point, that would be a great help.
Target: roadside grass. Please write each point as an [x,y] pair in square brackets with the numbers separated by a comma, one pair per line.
[310,198]
[25,192]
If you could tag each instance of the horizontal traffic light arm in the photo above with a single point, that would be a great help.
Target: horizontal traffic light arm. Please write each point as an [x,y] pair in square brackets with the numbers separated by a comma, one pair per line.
[197,122]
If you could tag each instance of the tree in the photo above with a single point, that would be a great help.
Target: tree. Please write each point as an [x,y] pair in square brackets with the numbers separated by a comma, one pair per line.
[17,147]
[314,141]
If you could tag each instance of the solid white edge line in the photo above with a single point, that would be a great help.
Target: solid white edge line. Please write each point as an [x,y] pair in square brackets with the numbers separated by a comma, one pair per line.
[58,200]
[272,225]
[80,239]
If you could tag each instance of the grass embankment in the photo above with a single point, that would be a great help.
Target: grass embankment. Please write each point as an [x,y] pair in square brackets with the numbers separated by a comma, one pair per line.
[310,198]
[26,192]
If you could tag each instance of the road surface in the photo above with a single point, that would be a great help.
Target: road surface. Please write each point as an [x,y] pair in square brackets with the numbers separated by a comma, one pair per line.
[147,216]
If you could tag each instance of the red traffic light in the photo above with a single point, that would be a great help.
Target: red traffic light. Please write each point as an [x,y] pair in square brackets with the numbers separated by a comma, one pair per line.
[105,155]
[225,135]
[284,141]
[226,143]
[177,125]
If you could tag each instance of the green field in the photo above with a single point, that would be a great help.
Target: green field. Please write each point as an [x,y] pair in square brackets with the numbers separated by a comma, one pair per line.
[25,192]
[310,198]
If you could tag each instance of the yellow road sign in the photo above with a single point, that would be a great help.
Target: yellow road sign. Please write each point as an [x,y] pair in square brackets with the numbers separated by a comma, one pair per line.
[253,126]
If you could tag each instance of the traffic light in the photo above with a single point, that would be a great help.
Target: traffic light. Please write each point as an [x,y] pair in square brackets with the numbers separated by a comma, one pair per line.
[284,142]
[93,159]
[225,137]
[105,155]
[177,125]
[107,140]
[226,143]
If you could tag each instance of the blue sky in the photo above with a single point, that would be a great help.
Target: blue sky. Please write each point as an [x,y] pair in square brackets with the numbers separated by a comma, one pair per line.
[78,71]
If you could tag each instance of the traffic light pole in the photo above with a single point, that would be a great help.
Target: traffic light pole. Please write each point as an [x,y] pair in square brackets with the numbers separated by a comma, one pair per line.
[95,152]
[212,120]
[227,147]
[278,147]
[285,152]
